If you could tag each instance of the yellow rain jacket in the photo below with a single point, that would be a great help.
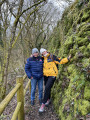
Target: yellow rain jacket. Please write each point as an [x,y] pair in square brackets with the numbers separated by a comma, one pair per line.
[50,61]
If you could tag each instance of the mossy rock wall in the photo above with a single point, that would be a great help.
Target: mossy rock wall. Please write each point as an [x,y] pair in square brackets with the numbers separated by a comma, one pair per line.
[71,91]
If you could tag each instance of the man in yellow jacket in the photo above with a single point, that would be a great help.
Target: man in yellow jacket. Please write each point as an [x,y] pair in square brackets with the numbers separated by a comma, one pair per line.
[50,72]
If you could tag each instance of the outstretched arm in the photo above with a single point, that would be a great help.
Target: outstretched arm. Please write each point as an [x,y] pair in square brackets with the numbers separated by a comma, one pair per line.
[61,61]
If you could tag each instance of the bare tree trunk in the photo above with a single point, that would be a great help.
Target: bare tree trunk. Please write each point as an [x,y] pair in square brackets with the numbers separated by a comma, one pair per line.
[2,2]
[12,42]
[10,48]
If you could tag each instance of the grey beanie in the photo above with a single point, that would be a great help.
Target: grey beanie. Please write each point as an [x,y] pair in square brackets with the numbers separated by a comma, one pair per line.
[35,50]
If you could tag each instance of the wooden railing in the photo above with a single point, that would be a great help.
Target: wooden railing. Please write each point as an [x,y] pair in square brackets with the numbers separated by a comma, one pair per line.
[19,111]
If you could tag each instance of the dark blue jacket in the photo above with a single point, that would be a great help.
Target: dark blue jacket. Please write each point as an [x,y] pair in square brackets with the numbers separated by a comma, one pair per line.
[34,67]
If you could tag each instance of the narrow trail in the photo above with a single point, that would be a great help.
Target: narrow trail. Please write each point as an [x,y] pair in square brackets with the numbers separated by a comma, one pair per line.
[31,112]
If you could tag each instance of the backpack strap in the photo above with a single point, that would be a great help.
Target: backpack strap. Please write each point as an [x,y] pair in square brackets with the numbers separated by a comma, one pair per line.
[51,56]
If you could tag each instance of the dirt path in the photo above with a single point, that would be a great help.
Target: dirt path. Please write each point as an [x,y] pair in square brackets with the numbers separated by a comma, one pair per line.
[31,112]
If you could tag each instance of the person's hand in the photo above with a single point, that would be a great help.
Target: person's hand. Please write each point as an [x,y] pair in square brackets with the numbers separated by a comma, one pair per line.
[69,56]
[31,77]
[31,55]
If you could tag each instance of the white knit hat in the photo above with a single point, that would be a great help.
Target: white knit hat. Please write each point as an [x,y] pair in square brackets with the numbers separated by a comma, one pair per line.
[42,50]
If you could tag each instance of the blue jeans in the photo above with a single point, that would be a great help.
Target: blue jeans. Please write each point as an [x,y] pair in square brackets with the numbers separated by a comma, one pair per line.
[33,88]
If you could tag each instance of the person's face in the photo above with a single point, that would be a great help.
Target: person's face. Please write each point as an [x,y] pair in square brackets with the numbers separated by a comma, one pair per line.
[43,53]
[35,54]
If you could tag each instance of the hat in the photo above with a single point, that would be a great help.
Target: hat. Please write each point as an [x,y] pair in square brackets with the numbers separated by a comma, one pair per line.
[42,50]
[35,50]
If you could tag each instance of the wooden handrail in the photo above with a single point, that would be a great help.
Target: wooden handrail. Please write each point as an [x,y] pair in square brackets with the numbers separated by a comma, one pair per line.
[15,114]
[24,77]
[26,87]
[19,111]
[7,99]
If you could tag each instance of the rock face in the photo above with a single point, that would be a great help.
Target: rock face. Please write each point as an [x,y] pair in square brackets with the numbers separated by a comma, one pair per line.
[71,91]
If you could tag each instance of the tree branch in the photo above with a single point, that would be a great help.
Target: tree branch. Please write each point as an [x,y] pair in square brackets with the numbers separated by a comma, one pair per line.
[31,7]
[36,9]
[2,2]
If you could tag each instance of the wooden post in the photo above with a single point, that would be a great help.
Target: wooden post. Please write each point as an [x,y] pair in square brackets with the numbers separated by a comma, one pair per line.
[20,97]
[15,114]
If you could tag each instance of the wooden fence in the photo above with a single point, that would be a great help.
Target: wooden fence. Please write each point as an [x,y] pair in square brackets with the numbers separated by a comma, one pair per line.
[19,111]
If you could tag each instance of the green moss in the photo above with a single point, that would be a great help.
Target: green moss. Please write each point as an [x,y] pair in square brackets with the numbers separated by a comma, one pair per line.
[85,26]
[88,47]
[86,51]
[80,85]
[83,34]
[61,115]
[82,41]
[56,103]
[82,48]
[68,42]
[72,52]
[85,16]
[76,106]
[71,68]
[87,91]
[86,62]
[73,38]
[69,117]
[81,107]
[65,100]
[78,39]
[84,106]
[75,47]
[78,20]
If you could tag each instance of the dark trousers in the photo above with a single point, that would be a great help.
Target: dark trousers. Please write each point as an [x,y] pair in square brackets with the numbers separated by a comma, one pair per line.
[48,82]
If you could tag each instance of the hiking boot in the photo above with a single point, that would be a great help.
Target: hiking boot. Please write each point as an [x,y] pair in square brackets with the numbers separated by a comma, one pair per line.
[48,102]
[41,109]
[32,102]
[40,101]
